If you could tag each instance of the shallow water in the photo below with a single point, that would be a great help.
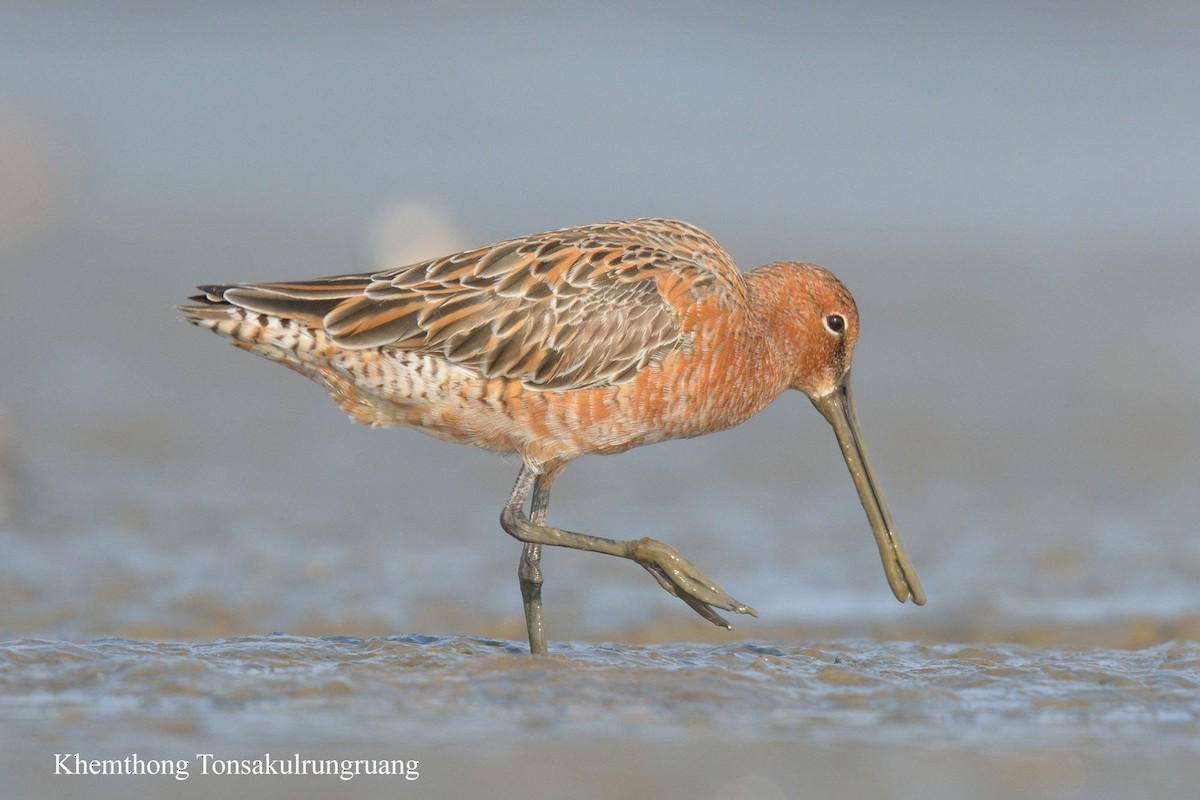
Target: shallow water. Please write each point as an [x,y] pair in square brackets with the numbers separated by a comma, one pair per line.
[818,692]
[768,709]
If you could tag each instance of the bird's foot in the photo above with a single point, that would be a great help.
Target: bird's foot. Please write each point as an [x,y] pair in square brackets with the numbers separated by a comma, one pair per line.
[681,578]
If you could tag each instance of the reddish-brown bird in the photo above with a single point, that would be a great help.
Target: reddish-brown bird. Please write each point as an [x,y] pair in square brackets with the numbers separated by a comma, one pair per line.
[592,339]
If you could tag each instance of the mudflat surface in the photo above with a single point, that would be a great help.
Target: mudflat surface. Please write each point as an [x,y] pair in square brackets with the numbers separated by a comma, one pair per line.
[462,714]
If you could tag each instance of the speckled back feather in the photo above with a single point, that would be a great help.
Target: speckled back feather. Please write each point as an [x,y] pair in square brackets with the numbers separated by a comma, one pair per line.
[569,309]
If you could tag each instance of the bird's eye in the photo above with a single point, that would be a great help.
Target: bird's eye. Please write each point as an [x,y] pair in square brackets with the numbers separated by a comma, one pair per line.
[836,323]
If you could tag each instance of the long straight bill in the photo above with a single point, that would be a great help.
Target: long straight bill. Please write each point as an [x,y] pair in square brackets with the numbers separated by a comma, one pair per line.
[838,408]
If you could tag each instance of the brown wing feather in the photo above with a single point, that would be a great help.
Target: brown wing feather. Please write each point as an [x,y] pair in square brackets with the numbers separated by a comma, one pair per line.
[569,309]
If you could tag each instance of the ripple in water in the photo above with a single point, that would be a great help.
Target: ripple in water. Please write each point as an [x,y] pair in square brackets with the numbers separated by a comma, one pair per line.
[247,687]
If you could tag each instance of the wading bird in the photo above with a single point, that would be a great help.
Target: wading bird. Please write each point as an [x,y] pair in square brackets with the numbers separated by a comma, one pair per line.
[593,339]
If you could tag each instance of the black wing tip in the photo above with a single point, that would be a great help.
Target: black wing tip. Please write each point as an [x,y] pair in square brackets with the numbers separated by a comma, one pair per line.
[191,314]
[207,303]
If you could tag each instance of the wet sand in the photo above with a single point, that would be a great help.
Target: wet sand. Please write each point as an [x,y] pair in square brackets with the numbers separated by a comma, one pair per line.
[741,720]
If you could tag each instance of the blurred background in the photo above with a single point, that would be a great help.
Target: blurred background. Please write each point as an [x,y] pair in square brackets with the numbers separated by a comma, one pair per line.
[1010,192]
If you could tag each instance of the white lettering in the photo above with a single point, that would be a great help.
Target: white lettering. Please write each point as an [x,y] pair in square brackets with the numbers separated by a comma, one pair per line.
[134,764]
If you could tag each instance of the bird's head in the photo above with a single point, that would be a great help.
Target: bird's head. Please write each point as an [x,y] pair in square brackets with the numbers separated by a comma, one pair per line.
[822,325]
[817,319]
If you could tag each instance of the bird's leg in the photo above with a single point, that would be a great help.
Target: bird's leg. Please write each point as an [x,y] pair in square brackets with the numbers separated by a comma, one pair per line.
[529,571]
[530,574]
[672,571]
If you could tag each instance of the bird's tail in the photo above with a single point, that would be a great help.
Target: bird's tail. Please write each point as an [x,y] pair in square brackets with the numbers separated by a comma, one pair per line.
[287,340]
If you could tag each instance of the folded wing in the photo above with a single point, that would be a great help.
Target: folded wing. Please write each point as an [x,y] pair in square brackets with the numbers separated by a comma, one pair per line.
[569,309]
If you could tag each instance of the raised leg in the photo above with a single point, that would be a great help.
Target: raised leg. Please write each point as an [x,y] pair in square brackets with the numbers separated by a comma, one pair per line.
[673,572]
[529,571]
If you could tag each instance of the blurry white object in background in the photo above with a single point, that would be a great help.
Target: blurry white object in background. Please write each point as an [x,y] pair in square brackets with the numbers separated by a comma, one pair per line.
[405,233]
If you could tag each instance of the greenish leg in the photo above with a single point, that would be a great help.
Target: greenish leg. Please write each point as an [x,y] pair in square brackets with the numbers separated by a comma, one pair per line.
[674,573]
[529,571]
